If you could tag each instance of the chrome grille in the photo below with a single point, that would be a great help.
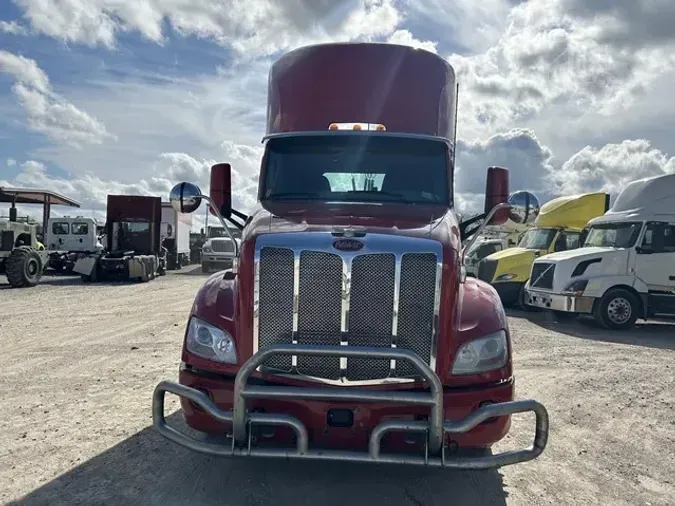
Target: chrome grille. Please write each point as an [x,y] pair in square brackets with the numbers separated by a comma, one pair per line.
[276,303]
[320,310]
[416,308]
[541,275]
[486,270]
[385,295]
[222,246]
[371,312]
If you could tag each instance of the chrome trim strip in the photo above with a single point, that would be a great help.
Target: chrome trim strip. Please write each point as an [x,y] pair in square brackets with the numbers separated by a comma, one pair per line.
[346,299]
[435,329]
[256,298]
[397,296]
[296,303]
[373,244]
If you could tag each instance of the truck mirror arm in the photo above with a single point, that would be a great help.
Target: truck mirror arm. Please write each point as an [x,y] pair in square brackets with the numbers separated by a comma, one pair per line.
[216,211]
[235,222]
[464,225]
[474,236]
[239,215]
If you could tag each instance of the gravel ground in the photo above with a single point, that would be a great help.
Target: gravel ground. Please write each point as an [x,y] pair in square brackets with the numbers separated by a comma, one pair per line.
[79,363]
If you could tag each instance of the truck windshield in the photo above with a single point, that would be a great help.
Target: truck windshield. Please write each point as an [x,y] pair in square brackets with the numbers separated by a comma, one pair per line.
[357,168]
[613,235]
[538,238]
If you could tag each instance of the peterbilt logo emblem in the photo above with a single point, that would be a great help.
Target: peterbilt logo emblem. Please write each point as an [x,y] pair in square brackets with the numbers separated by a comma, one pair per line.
[347,244]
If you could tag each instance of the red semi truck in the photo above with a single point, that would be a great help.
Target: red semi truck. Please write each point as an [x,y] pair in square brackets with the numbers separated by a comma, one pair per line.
[347,328]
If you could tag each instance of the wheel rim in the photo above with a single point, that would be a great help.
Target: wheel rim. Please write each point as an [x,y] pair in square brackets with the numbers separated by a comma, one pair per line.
[619,310]
[32,268]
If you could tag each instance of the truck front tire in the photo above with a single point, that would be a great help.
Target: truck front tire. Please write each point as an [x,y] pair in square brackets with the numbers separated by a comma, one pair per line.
[617,309]
[23,267]
[206,267]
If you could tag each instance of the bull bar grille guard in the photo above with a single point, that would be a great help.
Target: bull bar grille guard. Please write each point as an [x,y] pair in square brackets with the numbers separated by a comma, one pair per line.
[435,428]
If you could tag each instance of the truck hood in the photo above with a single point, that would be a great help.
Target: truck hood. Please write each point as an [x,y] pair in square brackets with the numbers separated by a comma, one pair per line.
[515,263]
[512,253]
[578,254]
[598,262]
[428,221]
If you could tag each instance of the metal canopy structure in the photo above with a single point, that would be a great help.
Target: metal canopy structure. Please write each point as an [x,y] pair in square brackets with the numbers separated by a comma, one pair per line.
[45,198]
[35,196]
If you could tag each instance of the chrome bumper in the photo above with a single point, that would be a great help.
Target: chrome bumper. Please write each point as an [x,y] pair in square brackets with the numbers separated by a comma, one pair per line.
[435,428]
[556,302]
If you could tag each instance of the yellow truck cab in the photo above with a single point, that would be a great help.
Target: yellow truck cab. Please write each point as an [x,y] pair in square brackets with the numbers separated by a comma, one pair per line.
[558,227]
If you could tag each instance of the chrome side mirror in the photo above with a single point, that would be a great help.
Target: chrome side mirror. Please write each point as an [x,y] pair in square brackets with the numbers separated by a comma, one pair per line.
[523,207]
[185,197]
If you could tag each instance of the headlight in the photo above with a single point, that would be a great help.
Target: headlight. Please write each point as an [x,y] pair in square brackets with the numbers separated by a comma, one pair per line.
[482,354]
[210,342]
[505,277]
[206,249]
[576,287]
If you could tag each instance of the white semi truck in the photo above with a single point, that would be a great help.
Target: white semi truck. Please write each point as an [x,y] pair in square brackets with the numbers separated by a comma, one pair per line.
[175,233]
[626,267]
[68,239]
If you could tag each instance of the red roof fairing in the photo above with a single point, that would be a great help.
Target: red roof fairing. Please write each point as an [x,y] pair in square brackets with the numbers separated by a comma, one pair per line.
[408,90]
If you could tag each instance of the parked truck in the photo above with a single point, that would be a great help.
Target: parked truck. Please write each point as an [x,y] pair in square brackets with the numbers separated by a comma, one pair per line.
[347,328]
[175,232]
[492,240]
[626,267]
[69,239]
[133,250]
[23,258]
[558,227]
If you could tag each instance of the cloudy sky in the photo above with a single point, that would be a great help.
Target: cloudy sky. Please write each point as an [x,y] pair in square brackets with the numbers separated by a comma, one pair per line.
[131,96]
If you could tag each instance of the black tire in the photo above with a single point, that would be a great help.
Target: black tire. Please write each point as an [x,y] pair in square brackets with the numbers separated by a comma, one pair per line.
[206,268]
[24,267]
[564,316]
[617,310]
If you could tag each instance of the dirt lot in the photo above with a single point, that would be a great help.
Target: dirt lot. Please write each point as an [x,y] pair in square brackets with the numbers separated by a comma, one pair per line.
[79,363]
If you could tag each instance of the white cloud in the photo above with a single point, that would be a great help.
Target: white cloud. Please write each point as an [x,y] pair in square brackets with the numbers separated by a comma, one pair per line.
[529,162]
[473,25]
[168,169]
[532,167]
[13,28]
[251,28]
[46,111]
[611,167]
[550,59]
[404,37]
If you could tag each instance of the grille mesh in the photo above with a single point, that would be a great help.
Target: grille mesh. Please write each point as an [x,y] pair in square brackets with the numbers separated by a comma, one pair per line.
[371,312]
[222,246]
[320,310]
[542,275]
[416,308]
[371,309]
[487,269]
[276,303]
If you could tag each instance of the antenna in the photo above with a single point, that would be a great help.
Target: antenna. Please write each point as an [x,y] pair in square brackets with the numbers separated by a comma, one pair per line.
[454,141]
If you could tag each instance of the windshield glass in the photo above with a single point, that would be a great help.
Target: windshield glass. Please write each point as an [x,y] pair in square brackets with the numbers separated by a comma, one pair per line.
[357,168]
[613,235]
[538,238]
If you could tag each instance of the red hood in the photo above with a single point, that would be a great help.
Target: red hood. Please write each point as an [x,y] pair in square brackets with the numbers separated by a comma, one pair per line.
[435,222]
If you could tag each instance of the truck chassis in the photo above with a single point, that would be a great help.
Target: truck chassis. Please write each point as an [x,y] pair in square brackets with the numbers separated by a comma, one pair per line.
[436,446]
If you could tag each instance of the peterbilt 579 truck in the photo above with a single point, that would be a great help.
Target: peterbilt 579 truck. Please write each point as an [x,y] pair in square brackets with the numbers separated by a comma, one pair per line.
[347,328]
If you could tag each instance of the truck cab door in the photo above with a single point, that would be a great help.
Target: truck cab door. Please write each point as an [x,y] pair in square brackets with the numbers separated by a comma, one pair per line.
[655,265]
